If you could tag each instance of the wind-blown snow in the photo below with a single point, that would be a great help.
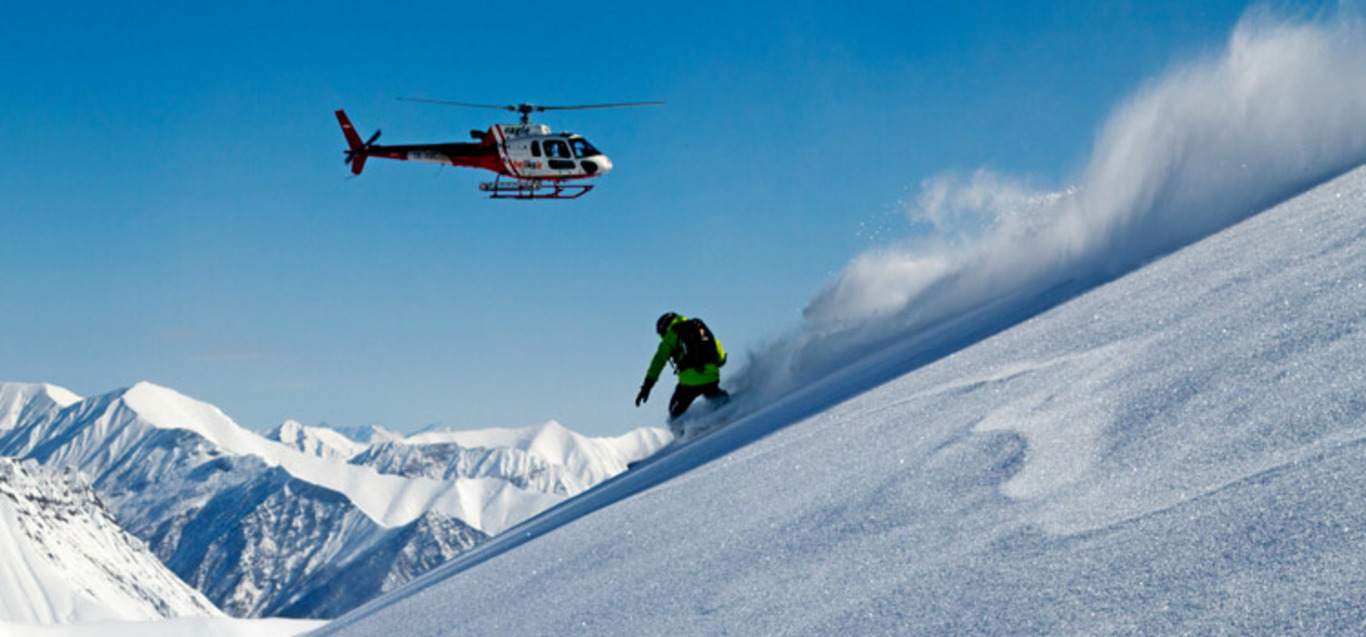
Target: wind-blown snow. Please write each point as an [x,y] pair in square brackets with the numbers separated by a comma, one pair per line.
[1203,147]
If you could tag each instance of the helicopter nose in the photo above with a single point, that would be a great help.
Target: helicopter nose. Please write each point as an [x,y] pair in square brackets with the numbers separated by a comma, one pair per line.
[598,165]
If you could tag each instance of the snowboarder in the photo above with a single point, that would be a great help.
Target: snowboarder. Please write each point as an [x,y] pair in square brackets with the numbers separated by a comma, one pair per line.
[697,358]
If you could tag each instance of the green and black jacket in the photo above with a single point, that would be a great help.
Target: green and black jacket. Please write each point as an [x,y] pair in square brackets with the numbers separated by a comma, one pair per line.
[669,350]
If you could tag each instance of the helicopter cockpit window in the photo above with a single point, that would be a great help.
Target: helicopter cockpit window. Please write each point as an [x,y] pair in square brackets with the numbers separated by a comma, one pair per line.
[536,148]
[556,148]
[582,148]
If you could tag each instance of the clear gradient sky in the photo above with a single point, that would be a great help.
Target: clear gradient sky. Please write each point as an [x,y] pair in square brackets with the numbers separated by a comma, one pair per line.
[175,208]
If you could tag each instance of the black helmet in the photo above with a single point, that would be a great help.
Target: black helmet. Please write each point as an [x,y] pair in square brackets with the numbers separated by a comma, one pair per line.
[663,323]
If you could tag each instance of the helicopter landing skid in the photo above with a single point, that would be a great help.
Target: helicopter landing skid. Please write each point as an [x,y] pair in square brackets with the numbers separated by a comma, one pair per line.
[533,189]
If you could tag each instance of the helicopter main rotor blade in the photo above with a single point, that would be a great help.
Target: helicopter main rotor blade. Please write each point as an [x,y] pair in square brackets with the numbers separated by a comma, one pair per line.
[446,103]
[577,108]
[529,108]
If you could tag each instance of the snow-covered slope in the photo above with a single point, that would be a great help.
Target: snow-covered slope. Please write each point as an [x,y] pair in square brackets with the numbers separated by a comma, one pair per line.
[63,558]
[1069,424]
[1178,451]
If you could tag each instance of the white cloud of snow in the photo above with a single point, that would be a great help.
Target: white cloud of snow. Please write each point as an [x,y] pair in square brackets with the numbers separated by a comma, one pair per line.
[1209,143]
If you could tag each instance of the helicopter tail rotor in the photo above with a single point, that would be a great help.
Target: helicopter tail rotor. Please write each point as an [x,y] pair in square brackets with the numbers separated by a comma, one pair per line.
[357,150]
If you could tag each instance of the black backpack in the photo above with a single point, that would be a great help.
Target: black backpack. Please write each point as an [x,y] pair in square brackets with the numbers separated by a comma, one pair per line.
[696,345]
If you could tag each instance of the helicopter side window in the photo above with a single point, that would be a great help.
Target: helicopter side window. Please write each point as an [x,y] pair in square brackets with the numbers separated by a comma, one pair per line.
[582,148]
[556,148]
[536,148]
[558,152]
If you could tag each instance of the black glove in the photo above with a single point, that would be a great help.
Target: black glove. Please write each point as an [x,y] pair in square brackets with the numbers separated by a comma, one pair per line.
[644,394]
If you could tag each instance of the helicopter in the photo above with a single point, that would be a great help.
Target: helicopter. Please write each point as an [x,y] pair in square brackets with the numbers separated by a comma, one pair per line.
[530,162]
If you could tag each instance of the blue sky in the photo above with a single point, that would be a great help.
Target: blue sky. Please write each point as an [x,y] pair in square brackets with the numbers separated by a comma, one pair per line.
[176,209]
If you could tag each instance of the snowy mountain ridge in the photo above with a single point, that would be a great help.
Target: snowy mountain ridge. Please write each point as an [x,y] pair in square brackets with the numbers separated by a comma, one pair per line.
[64,559]
[18,399]
[266,527]
[546,458]
[316,441]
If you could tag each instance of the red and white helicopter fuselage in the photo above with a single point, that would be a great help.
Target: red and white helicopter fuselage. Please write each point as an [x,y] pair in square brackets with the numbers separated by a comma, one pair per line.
[536,163]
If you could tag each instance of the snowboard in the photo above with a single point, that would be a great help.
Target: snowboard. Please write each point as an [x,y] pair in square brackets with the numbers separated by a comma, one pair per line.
[705,419]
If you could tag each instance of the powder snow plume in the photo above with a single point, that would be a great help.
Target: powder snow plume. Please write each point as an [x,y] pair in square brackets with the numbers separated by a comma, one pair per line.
[1281,108]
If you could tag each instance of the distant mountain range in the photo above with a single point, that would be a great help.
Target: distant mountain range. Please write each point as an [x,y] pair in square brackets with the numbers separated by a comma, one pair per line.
[304,521]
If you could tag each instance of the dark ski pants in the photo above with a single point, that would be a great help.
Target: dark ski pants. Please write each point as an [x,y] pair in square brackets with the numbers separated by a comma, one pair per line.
[685,394]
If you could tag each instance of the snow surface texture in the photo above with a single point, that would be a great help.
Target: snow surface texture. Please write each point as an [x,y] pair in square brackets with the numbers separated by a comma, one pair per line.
[289,527]
[1176,451]
[1179,451]
[64,559]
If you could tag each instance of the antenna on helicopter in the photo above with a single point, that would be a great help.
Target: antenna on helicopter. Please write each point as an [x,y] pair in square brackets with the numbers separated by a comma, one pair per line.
[527,109]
